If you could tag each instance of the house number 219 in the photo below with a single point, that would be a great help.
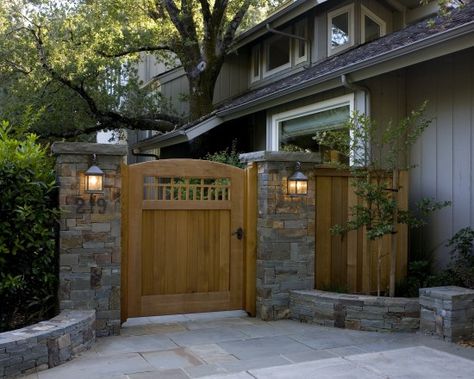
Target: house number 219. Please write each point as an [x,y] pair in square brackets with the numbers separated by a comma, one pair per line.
[95,205]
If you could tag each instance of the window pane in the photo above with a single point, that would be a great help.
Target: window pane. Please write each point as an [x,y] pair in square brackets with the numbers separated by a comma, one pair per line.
[299,132]
[278,52]
[256,63]
[372,29]
[301,45]
[340,30]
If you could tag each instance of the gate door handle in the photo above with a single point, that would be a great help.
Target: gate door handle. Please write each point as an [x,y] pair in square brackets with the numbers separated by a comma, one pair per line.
[239,233]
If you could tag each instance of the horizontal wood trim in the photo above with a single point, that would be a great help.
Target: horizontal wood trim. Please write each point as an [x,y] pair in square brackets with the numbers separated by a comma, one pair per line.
[331,172]
[185,303]
[186,204]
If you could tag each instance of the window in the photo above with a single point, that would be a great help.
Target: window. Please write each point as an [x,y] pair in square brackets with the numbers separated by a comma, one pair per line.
[277,53]
[255,66]
[340,29]
[294,130]
[372,26]
[300,47]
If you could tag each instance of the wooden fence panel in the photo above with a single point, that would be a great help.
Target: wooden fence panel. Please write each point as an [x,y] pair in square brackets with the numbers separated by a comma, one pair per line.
[343,262]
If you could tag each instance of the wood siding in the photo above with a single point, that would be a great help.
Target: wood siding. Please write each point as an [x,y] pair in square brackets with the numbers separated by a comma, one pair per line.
[444,155]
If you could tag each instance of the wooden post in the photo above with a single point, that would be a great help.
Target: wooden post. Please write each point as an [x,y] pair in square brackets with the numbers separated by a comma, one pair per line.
[394,248]
[124,235]
[250,239]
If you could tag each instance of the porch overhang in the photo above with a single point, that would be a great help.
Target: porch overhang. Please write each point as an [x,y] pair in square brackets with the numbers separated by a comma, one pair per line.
[179,135]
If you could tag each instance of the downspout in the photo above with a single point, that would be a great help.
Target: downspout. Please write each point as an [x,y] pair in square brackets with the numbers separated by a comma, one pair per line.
[357,87]
[292,36]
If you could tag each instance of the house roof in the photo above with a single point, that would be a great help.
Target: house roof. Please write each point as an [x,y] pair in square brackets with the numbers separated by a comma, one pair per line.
[416,43]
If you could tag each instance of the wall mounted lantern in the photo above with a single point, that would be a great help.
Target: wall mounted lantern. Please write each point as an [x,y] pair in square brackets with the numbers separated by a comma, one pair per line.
[298,182]
[94,178]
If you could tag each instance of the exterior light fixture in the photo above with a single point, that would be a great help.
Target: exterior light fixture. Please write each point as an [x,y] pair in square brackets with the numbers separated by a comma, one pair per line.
[298,182]
[94,178]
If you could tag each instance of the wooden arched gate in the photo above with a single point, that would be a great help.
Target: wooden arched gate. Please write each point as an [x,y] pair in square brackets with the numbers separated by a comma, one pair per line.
[188,229]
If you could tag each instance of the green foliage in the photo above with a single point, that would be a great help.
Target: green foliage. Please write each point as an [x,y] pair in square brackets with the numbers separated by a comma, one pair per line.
[28,265]
[460,271]
[76,61]
[374,153]
[461,268]
[228,156]
[375,156]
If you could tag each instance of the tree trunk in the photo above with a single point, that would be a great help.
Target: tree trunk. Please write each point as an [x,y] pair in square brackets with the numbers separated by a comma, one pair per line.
[394,246]
[201,95]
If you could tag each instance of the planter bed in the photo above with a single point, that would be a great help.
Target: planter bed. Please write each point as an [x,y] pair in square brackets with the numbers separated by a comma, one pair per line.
[358,312]
[46,344]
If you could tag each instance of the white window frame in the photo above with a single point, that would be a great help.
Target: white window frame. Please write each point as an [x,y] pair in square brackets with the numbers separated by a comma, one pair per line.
[347,9]
[277,119]
[256,50]
[265,56]
[295,43]
[365,12]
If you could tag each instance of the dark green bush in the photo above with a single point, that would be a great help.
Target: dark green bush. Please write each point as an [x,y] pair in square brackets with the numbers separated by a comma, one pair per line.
[459,272]
[28,217]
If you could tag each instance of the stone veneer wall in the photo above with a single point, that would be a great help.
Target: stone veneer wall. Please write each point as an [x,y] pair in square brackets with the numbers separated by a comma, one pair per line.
[90,233]
[285,231]
[358,312]
[46,344]
[448,312]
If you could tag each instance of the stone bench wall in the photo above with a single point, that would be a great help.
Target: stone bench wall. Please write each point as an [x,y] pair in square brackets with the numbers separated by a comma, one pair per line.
[46,344]
[358,312]
[448,312]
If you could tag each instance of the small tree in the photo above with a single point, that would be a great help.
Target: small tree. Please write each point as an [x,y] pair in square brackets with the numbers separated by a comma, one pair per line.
[375,156]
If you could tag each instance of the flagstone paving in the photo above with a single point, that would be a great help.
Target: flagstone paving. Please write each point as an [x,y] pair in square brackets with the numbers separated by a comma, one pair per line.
[231,345]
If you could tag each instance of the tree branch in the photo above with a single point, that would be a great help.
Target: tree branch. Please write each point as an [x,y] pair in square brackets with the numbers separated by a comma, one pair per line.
[136,50]
[232,27]
[107,119]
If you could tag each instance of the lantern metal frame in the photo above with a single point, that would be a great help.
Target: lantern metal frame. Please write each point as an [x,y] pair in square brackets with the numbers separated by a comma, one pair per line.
[297,183]
[94,171]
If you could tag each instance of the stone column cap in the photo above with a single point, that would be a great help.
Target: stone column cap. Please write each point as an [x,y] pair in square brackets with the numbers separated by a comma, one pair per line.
[280,156]
[86,148]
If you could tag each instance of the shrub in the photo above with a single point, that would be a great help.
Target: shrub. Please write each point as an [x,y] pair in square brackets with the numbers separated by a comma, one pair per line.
[227,156]
[28,261]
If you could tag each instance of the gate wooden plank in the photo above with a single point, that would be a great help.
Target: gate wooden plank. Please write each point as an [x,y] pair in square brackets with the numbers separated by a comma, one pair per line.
[148,246]
[402,235]
[124,203]
[224,251]
[181,250]
[352,244]
[323,224]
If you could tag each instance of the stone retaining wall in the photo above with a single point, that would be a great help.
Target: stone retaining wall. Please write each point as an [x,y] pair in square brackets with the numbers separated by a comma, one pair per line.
[448,312]
[359,312]
[46,344]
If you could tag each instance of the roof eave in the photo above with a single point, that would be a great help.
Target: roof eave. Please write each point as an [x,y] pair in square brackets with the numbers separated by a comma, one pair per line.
[461,32]
[286,14]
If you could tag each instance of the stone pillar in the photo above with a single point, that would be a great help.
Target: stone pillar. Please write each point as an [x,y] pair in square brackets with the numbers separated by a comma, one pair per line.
[285,231]
[447,312]
[89,239]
